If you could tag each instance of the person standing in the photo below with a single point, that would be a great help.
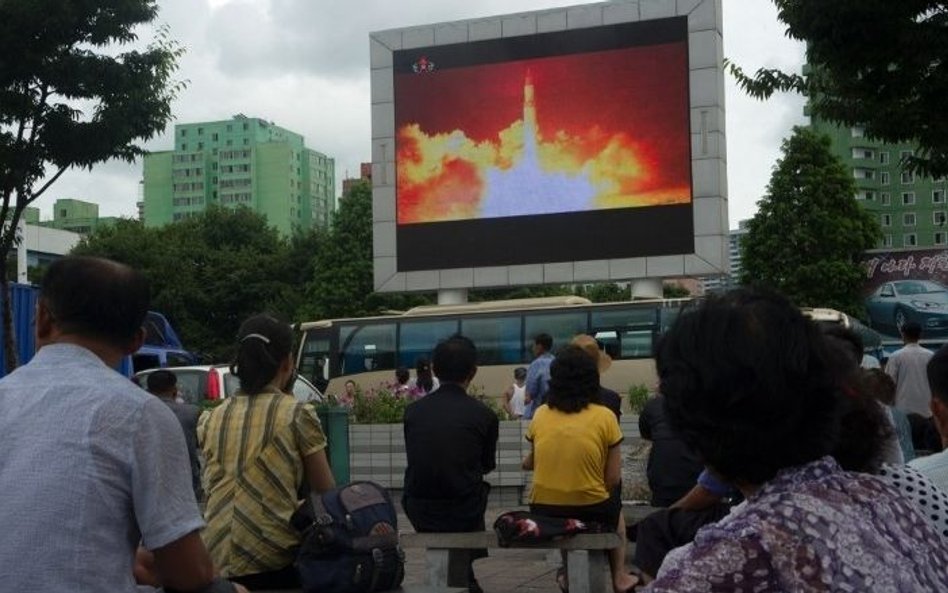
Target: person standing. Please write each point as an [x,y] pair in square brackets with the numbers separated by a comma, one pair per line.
[514,396]
[906,366]
[92,465]
[538,374]
[164,384]
[935,466]
[451,443]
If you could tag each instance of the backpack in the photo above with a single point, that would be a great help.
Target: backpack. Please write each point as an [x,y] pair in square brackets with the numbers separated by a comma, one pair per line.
[349,541]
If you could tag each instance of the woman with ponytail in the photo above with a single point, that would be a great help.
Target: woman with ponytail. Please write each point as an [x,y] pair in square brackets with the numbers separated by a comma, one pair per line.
[259,446]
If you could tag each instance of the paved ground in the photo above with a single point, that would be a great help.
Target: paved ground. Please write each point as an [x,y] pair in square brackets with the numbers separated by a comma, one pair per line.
[505,571]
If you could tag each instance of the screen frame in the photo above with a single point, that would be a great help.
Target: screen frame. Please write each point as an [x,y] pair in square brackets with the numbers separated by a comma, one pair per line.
[708,157]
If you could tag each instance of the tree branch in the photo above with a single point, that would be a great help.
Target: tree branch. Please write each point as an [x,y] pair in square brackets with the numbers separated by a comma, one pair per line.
[46,185]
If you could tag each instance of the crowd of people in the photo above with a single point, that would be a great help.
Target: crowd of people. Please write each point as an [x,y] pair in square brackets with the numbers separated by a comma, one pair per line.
[781,462]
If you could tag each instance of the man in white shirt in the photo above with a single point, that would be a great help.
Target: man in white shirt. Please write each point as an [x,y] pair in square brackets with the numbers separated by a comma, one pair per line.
[906,366]
[935,467]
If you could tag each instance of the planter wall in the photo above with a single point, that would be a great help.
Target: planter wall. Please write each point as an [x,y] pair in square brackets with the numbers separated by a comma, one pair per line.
[377,453]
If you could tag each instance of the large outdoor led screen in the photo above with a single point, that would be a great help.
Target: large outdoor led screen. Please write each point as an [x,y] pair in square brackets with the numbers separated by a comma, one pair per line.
[562,146]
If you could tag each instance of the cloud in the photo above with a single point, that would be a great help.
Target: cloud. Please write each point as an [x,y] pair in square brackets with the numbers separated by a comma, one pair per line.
[304,65]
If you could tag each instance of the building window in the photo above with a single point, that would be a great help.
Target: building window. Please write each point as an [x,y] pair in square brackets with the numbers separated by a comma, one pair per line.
[908,198]
[908,219]
[858,131]
[887,240]
[870,195]
[184,146]
[904,154]
[939,218]
[214,137]
[885,198]
[200,146]
[938,196]
[200,131]
[246,127]
[884,178]
[230,142]
[910,240]
[246,141]
[940,237]
[886,220]
[908,177]
[184,133]
[884,158]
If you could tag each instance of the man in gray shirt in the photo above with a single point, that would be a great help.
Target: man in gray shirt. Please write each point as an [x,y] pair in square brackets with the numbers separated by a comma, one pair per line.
[92,466]
[164,384]
[907,366]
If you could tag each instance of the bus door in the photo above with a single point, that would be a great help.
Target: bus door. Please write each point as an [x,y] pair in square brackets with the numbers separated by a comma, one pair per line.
[314,357]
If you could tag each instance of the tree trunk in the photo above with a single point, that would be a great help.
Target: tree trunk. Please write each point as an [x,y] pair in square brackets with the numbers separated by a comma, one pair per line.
[9,339]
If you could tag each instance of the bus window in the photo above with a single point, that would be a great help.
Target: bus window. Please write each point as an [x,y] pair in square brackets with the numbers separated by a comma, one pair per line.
[497,339]
[562,326]
[631,317]
[636,344]
[418,339]
[366,348]
[314,357]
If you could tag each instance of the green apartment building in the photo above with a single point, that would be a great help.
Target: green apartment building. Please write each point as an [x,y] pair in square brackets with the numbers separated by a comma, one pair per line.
[911,209]
[77,216]
[243,161]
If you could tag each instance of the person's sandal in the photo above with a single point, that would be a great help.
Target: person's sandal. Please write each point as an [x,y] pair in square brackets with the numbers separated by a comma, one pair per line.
[562,580]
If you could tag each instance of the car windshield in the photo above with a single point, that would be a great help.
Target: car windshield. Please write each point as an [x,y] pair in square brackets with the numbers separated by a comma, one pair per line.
[918,287]
[191,385]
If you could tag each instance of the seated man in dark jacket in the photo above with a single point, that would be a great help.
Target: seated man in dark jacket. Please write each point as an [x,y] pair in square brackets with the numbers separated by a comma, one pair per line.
[450,442]
[672,467]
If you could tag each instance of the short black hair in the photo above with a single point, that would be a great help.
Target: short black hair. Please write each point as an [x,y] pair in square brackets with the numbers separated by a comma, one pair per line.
[402,375]
[95,297]
[263,343]
[938,374]
[864,428]
[574,380]
[912,331]
[545,340]
[750,384]
[455,359]
[161,381]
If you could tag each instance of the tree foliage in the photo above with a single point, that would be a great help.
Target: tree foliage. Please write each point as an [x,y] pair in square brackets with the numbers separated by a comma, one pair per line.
[68,98]
[210,272]
[809,232]
[342,282]
[874,63]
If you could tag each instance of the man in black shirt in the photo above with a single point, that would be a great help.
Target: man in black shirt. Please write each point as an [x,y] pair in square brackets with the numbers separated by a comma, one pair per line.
[672,467]
[451,442]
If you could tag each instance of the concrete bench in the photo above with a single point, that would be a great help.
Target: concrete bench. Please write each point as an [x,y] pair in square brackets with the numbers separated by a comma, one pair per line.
[402,589]
[447,556]
[634,513]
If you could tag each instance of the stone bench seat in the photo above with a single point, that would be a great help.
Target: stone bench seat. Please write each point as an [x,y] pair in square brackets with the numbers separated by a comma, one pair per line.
[447,556]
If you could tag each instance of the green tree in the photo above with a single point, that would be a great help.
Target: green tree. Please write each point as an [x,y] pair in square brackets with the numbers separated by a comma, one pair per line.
[873,63]
[210,272]
[68,99]
[342,282]
[603,292]
[809,232]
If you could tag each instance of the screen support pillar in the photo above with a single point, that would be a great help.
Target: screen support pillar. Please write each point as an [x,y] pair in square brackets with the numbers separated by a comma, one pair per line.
[646,288]
[452,296]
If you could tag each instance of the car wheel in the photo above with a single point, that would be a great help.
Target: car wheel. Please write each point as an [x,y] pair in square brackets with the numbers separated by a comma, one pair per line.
[900,319]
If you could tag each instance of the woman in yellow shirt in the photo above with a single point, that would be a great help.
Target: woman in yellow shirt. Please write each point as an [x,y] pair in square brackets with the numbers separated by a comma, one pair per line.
[259,445]
[576,455]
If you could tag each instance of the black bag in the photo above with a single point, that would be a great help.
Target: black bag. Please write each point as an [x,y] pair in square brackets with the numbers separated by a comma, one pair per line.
[525,527]
[350,541]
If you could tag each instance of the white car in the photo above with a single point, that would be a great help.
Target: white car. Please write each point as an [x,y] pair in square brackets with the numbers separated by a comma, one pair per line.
[212,382]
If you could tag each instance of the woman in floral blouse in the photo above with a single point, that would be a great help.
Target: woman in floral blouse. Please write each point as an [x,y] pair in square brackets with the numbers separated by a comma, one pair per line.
[752,386]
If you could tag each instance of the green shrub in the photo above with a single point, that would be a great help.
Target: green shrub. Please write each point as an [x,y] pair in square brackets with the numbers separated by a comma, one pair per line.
[638,395]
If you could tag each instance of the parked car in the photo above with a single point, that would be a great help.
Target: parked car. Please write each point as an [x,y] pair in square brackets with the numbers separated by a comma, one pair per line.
[923,301]
[213,382]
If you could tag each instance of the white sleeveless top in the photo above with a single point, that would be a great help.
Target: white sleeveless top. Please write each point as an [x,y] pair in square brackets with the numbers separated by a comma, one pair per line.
[517,405]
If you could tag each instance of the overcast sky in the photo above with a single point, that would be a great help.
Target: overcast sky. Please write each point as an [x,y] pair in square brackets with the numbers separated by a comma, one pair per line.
[304,65]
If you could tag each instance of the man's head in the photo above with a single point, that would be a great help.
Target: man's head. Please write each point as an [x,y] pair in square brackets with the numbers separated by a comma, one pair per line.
[911,332]
[520,374]
[162,383]
[938,381]
[542,343]
[455,360]
[93,299]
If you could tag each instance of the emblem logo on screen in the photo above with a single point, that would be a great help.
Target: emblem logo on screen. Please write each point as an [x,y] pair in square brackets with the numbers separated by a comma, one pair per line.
[423,65]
